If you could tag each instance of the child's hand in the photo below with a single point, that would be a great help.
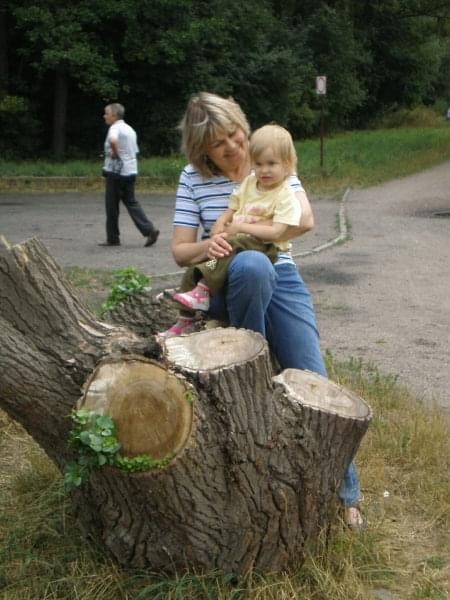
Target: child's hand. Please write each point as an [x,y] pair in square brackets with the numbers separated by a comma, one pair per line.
[218,227]
[233,228]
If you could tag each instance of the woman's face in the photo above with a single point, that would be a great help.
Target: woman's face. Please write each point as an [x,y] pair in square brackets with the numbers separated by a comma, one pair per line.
[228,150]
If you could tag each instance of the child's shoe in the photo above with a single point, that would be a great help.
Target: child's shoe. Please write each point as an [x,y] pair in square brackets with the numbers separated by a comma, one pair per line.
[196,299]
[183,326]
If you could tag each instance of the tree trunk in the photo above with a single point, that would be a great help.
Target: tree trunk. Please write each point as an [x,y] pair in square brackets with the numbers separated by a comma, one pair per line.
[255,459]
[4,67]
[60,114]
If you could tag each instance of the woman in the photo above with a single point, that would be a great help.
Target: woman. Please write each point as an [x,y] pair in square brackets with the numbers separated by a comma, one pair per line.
[270,299]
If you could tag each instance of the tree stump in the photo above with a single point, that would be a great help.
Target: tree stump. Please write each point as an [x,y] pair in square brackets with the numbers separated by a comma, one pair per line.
[256,458]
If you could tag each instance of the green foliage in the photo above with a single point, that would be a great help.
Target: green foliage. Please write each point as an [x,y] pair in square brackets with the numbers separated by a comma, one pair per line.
[94,438]
[378,56]
[420,116]
[189,397]
[61,37]
[12,105]
[127,282]
[17,122]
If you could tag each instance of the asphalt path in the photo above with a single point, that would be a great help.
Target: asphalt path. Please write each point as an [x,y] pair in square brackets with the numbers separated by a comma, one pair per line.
[383,295]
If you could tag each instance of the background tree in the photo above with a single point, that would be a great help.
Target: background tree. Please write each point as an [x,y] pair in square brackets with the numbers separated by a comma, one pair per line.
[65,43]
[60,63]
[406,51]
[236,49]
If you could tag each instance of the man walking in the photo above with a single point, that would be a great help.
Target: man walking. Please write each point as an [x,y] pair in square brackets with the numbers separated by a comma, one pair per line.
[120,170]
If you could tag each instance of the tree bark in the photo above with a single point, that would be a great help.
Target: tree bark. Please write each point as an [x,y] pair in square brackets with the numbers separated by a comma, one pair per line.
[60,113]
[255,459]
[4,66]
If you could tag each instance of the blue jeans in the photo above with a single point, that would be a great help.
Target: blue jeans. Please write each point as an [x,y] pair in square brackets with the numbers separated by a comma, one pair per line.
[274,300]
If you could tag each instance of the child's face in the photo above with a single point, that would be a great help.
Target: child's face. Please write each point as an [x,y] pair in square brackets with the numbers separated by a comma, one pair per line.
[270,171]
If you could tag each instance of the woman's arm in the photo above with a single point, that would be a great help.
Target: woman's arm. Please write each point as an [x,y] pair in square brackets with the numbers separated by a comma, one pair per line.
[187,250]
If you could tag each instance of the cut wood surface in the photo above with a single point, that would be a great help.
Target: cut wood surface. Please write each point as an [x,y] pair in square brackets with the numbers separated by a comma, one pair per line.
[256,456]
[151,407]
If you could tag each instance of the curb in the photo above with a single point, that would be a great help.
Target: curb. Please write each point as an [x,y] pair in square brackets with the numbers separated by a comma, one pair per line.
[342,237]
[343,232]
[80,183]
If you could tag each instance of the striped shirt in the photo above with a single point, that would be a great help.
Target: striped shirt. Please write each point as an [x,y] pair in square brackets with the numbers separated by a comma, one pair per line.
[201,200]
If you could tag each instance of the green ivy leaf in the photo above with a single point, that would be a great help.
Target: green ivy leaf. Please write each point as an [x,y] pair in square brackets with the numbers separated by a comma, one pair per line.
[94,438]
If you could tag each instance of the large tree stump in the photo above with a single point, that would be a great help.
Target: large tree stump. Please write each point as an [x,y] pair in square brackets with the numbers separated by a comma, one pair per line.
[255,458]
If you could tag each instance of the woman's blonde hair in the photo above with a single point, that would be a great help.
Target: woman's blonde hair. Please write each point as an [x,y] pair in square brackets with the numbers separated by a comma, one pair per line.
[279,140]
[206,117]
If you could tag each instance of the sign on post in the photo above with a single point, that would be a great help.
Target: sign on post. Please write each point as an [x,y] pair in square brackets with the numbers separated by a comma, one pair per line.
[321,85]
[321,90]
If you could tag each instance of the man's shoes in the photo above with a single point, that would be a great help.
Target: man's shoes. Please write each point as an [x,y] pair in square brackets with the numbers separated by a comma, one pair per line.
[109,243]
[151,238]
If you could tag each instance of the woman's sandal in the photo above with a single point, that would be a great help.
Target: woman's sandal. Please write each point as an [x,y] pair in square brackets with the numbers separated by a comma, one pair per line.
[353,518]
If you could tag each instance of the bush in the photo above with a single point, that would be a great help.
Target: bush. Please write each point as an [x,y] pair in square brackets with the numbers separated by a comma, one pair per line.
[21,131]
[420,116]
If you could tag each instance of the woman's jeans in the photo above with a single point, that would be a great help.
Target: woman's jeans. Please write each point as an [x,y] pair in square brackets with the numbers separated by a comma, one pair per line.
[273,300]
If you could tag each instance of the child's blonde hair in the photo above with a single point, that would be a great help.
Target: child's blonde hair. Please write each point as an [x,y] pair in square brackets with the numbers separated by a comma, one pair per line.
[279,140]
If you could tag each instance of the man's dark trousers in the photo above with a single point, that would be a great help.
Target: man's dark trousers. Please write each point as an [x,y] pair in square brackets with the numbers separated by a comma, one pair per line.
[121,187]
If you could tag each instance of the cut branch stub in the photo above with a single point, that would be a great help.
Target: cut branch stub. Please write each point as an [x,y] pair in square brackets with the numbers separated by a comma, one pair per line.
[319,393]
[214,349]
[151,407]
[331,422]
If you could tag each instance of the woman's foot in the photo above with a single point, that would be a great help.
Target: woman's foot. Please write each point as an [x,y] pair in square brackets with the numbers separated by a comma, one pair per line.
[196,299]
[183,326]
[353,518]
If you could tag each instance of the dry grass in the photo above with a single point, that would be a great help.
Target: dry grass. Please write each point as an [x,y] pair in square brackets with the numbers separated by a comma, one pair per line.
[404,548]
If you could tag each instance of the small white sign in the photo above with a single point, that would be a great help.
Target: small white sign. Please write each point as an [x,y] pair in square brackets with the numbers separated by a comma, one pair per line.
[321,85]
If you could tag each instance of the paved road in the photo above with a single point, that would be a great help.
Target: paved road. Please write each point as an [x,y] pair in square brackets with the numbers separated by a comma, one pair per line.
[71,225]
[383,296]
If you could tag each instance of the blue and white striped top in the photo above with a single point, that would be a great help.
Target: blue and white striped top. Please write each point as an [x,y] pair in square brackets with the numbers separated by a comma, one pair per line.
[201,200]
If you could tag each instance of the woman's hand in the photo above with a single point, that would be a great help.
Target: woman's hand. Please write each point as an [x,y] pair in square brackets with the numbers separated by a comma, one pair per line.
[218,247]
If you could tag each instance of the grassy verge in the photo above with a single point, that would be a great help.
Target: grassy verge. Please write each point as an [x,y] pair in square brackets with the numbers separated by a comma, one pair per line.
[355,158]
[92,285]
[363,158]
[403,463]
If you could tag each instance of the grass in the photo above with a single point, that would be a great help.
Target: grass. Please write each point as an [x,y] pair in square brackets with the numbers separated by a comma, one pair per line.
[92,285]
[364,158]
[354,158]
[404,548]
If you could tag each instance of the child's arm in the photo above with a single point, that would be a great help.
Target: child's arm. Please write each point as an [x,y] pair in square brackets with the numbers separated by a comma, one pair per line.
[267,233]
[222,221]
[306,221]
